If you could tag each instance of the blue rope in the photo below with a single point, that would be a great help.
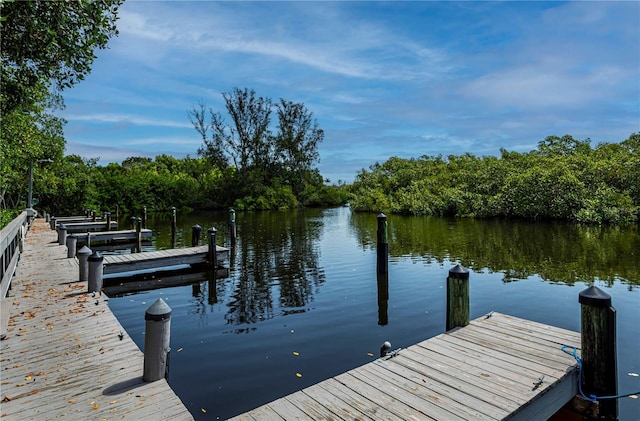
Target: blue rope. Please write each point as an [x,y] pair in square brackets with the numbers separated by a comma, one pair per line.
[591,398]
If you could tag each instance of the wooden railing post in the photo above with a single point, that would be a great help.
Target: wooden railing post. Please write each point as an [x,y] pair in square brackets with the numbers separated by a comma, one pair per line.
[598,333]
[457,297]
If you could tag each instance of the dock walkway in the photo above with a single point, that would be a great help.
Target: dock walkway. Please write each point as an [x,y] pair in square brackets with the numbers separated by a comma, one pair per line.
[159,259]
[488,370]
[66,355]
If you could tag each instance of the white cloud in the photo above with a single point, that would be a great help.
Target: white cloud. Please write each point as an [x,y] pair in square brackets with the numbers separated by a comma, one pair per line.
[127,119]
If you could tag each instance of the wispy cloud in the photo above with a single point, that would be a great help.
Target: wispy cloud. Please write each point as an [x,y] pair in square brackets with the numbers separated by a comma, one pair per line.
[127,119]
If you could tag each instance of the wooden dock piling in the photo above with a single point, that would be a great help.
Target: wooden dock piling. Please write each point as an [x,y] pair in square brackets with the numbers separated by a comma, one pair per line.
[157,341]
[457,297]
[382,265]
[598,346]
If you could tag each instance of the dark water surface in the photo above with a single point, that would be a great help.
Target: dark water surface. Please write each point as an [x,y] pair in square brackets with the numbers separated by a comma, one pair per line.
[301,296]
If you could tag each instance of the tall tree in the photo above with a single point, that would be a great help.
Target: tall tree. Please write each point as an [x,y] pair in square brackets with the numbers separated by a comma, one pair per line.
[246,140]
[297,141]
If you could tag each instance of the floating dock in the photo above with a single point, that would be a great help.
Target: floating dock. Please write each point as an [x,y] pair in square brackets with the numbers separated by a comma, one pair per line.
[121,235]
[198,255]
[66,355]
[498,367]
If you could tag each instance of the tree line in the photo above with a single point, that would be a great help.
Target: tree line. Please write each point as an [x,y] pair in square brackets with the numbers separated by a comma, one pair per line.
[564,178]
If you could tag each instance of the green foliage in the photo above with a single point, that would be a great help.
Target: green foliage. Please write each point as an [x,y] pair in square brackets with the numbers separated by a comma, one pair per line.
[50,44]
[563,179]
[262,166]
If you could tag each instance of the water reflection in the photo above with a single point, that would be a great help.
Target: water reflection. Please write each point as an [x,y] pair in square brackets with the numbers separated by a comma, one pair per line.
[275,267]
[558,252]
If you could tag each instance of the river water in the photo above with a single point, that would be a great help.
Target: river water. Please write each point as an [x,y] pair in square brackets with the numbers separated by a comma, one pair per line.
[300,302]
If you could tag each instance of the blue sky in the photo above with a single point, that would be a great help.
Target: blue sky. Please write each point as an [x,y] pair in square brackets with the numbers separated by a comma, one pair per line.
[382,78]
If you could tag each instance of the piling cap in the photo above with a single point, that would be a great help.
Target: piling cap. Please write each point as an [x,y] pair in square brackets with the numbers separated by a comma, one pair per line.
[382,215]
[72,236]
[459,272]
[594,297]
[96,257]
[84,251]
[212,229]
[158,311]
[62,226]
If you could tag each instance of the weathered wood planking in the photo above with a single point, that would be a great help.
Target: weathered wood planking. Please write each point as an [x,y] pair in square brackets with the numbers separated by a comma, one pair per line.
[63,356]
[159,259]
[120,235]
[484,371]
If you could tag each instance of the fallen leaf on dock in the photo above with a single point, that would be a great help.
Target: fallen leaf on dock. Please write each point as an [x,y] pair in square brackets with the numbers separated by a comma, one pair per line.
[95,406]
[6,398]
[71,401]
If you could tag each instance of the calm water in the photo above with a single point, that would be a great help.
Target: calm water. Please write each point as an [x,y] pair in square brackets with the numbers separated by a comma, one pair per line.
[304,282]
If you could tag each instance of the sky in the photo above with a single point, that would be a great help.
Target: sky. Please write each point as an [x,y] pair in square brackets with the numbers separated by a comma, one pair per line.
[382,79]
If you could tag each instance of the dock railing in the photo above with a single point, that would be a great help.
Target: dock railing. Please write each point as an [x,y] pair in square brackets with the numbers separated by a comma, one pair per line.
[11,245]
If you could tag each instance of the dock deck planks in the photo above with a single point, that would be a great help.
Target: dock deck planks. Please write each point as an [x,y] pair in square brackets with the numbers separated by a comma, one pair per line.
[63,356]
[484,371]
[159,259]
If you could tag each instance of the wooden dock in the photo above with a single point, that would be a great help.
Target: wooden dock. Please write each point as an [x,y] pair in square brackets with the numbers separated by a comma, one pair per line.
[198,255]
[73,227]
[498,367]
[64,356]
[121,235]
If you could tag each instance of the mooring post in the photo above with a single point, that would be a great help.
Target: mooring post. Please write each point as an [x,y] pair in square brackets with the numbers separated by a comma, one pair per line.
[108,217]
[144,217]
[95,272]
[383,299]
[138,235]
[117,213]
[212,287]
[93,216]
[62,234]
[383,245]
[457,297]
[72,242]
[46,216]
[157,341]
[232,227]
[195,235]
[83,263]
[213,251]
[598,333]
[173,225]
[52,222]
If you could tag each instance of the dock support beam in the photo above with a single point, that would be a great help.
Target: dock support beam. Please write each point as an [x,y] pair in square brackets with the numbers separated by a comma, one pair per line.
[157,341]
[599,368]
[457,297]
[383,245]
